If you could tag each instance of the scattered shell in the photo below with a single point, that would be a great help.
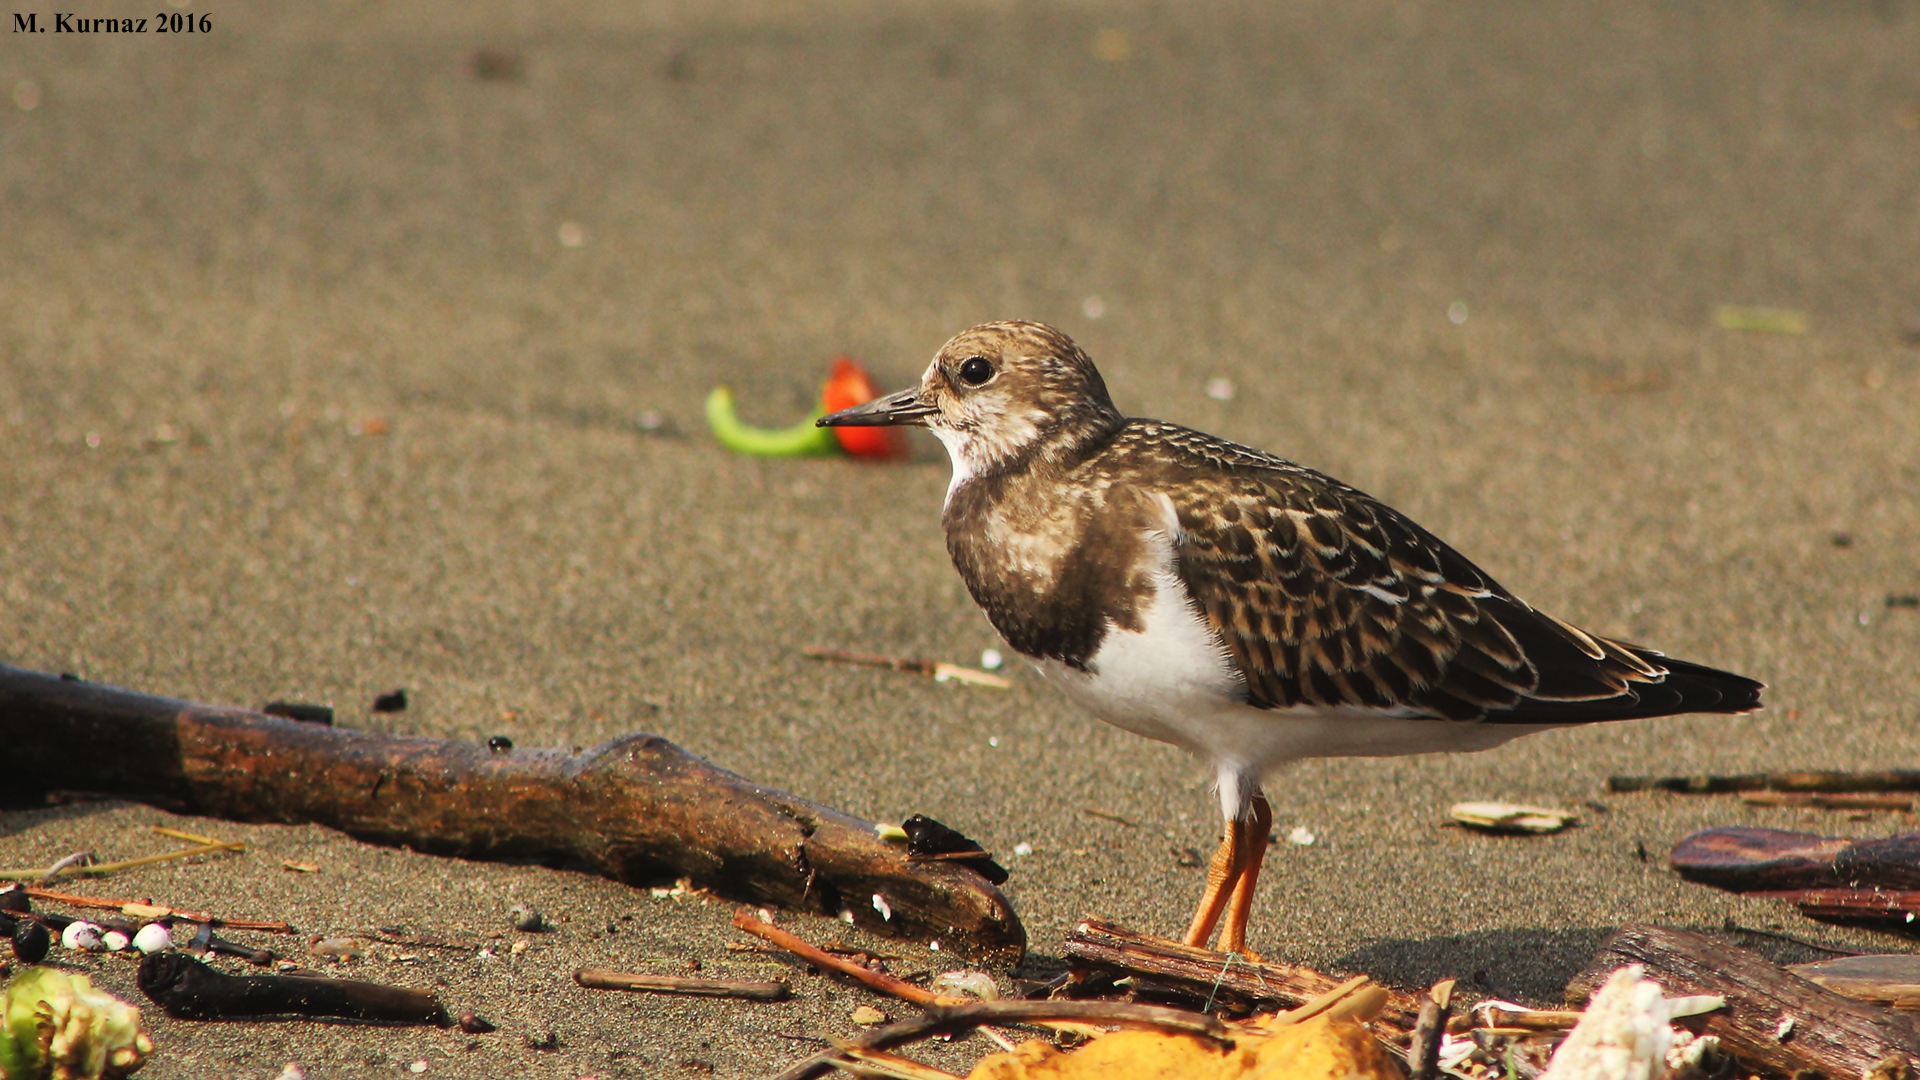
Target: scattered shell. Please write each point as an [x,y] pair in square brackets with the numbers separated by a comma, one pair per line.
[115,940]
[880,905]
[518,948]
[1302,836]
[978,983]
[1511,817]
[418,1066]
[990,659]
[81,936]
[1220,388]
[868,1016]
[292,1071]
[338,948]
[1023,848]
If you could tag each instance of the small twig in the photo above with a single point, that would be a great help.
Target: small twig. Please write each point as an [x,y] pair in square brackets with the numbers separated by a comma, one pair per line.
[142,909]
[396,937]
[1104,816]
[951,1020]
[78,858]
[195,838]
[894,663]
[864,1062]
[753,989]
[65,868]
[876,980]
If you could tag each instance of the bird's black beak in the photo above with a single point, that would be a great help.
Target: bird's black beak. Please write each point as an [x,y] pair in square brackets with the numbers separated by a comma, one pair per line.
[887,410]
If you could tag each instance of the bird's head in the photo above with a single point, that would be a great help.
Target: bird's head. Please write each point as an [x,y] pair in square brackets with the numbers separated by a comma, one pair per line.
[999,394]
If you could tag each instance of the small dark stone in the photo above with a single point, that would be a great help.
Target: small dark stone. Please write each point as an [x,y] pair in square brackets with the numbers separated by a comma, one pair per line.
[499,744]
[1903,600]
[31,942]
[475,1024]
[68,676]
[1841,539]
[294,710]
[680,66]
[15,899]
[494,65]
[551,1041]
[392,701]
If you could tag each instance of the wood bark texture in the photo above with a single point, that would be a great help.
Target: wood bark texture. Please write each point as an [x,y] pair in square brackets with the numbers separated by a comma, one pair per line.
[1097,946]
[637,809]
[1835,1034]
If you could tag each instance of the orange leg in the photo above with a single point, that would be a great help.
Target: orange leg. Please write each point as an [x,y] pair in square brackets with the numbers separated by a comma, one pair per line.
[1233,936]
[1222,873]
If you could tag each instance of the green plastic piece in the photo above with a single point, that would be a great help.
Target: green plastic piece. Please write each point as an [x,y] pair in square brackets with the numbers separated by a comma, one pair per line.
[800,440]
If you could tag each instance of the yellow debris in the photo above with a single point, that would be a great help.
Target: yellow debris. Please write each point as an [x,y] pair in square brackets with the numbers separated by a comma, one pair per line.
[1319,1049]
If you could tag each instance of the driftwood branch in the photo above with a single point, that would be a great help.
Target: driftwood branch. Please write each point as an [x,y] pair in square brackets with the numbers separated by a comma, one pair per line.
[1097,946]
[1773,1017]
[638,809]
[190,990]
[1893,780]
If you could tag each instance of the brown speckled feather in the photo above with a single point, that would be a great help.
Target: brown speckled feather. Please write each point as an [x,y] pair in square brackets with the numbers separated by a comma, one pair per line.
[1324,596]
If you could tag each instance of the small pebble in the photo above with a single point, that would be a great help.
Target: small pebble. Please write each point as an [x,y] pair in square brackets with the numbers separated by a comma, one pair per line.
[31,942]
[14,898]
[991,659]
[418,1066]
[292,1071]
[518,948]
[527,918]
[1300,835]
[499,744]
[868,1016]
[1023,848]
[1220,389]
[81,936]
[474,1024]
[115,941]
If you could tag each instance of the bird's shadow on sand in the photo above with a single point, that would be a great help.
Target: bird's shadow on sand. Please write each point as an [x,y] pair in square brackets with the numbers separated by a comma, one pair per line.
[1530,965]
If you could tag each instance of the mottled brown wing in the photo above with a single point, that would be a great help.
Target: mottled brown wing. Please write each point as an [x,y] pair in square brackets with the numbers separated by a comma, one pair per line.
[1326,597]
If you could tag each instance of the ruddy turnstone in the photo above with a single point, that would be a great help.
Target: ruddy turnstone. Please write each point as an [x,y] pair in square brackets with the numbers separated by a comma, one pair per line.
[1248,609]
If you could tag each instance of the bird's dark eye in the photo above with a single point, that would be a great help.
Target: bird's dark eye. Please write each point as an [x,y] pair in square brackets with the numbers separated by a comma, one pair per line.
[975,370]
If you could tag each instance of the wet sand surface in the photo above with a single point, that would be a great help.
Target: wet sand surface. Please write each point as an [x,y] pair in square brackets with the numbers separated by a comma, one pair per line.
[329,367]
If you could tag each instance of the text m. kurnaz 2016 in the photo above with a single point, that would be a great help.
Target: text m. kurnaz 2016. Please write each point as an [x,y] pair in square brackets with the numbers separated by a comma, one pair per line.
[63,22]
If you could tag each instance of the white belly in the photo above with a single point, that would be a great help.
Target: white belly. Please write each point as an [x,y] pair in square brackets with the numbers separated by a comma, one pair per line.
[1172,681]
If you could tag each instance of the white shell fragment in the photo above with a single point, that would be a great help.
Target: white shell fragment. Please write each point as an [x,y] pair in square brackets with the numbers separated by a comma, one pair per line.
[114,941]
[81,935]
[1302,836]
[1623,1035]
[1511,817]
[880,905]
[977,983]
[153,938]
[1694,1005]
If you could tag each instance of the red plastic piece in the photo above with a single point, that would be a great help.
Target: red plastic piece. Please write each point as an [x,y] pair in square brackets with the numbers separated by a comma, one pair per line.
[849,386]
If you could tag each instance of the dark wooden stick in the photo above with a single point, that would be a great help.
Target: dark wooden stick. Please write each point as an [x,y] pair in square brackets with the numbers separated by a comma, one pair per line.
[954,1019]
[1097,945]
[190,990]
[1893,780]
[752,989]
[1835,1034]
[638,809]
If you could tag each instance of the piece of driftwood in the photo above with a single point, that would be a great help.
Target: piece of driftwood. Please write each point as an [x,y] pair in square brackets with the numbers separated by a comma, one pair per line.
[1889,980]
[1095,947]
[751,989]
[1891,780]
[1889,909]
[638,809]
[1774,1019]
[1838,800]
[191,990]
[1746,859]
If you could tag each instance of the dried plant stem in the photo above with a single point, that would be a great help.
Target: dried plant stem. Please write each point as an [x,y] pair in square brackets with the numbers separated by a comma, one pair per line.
[876,980]
[41,874]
